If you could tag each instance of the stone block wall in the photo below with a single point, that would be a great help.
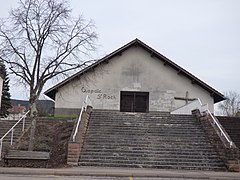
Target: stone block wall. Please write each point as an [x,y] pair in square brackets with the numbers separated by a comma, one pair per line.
[75,147]
[73,153]
[230,155]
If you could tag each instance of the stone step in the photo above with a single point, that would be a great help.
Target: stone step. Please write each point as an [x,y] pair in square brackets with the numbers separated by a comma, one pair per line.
[153,151]
[138,115]
[144,129]
[154,160]
[179,167]
[146,137]
[153,157]
[232,126]
[148,145]
[186,166]
[144,119]
[166,161]
[157,121]
[132,160]
[95,128]
[146,150]
[148,153]
[15,131]
[149,133]
[157,125]
[140,126]
[5,125]
[157,140]
[15,137]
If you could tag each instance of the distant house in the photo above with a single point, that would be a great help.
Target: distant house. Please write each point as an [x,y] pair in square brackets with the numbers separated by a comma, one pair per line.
[134,78]
[17,109]
[16,112]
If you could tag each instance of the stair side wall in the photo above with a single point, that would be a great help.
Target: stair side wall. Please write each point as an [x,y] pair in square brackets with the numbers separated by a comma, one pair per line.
[75,148]
[230,156]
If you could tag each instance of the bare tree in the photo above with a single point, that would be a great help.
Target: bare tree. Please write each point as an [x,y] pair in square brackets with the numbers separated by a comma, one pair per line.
[231,106]
[41,40]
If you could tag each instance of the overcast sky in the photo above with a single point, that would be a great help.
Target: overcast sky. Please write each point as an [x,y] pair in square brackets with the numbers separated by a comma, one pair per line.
[202,37]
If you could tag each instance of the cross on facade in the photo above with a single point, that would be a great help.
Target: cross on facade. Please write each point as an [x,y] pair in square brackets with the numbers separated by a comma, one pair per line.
[186,98]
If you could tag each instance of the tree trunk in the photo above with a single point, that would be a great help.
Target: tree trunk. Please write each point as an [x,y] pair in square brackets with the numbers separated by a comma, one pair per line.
[33,105]
[32,135]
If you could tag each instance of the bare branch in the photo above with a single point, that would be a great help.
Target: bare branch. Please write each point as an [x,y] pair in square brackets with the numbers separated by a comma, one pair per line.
[41,40]
[231,106]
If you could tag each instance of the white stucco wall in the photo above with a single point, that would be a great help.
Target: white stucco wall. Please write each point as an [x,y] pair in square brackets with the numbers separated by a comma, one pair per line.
[187,109]
[134,70]
[1,86]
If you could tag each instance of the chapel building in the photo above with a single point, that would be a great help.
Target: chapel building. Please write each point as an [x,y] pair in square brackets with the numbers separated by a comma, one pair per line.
[134,78]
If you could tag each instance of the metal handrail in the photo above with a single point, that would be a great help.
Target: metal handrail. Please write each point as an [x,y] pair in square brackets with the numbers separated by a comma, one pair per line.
[222,133]
[12,131]
[220,128]
[84,107]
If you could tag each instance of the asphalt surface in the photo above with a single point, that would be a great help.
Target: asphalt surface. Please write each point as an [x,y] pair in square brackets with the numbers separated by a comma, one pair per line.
[110,173]
[39,177]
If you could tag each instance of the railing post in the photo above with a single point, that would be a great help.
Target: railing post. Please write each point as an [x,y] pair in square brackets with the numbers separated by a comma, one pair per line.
[1,145]
[23,128]
[12,137]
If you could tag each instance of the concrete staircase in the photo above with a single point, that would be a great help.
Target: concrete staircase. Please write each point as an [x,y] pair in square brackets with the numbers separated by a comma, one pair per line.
[232,126]
[147,140]
[5,125]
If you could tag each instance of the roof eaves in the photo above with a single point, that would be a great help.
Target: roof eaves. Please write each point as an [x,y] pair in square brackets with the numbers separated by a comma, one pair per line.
[50,92]
[186,73]
[217,95]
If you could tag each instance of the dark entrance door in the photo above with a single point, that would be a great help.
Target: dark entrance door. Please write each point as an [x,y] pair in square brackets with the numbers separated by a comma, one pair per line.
[134,101]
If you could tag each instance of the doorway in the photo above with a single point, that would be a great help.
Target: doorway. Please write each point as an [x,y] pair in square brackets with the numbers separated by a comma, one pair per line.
[134,101]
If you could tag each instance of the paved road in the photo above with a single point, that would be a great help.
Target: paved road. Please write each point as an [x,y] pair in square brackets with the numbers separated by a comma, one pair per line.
[48,177]
[41,177]
[95,173]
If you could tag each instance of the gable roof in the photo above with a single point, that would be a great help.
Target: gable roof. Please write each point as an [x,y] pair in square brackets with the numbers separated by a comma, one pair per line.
[217,96]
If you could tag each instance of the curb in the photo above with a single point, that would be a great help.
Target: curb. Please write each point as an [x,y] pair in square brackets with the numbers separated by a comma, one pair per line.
[120,172]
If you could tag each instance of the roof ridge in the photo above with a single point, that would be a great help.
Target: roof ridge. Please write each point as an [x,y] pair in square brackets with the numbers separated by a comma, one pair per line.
[216,95]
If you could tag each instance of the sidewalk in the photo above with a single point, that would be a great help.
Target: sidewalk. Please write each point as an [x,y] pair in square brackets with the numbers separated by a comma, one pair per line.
[121,172]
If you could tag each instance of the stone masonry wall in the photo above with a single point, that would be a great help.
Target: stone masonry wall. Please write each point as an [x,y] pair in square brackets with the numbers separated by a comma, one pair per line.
[75,147]
[230,155]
